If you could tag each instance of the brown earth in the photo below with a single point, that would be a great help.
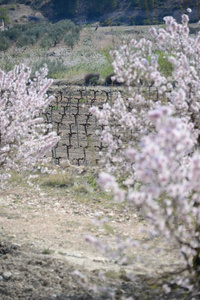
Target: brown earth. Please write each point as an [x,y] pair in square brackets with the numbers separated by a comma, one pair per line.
[42,243]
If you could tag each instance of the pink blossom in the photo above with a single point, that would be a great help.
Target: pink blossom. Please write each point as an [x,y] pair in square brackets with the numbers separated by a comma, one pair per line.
[185,19]
[152,136]
[22,143]
[107,181]
[189,10]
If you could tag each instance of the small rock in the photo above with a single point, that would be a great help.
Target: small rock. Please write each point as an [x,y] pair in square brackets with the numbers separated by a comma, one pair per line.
[78,255]
[7,275]
[15,246]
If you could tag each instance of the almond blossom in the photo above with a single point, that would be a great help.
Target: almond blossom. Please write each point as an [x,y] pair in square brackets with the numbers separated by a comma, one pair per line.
[153,137]
[24,137]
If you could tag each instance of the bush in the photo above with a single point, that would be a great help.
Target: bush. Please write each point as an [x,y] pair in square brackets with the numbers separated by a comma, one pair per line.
[4,43]
[70,40]
[47,42]
[25,40]
[14,32]
[56,69]
[65,26]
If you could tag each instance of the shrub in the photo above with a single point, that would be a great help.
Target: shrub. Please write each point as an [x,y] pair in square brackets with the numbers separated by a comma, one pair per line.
[56,69]
[70,40]
[25,40]
[4,43]
[47,42]
[14,32]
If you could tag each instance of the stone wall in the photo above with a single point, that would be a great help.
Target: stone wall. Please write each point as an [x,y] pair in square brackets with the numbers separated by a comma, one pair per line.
[71,119]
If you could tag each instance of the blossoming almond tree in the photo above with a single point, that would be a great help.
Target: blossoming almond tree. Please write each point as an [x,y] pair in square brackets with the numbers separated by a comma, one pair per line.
[152,137]
[24,137]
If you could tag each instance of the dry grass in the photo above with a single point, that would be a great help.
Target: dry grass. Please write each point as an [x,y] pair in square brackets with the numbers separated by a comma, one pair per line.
[79,183]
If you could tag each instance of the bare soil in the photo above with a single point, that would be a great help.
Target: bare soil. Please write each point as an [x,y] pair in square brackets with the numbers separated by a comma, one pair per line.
[42,242]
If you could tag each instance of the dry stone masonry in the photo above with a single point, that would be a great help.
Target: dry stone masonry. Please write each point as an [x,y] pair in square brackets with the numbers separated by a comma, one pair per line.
[70,117]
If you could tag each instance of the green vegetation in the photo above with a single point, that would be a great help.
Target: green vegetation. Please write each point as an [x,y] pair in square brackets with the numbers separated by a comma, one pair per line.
[47,251]
[60,180]
[165,66]
[108,68]
[56,68]
[83,187]
[47,34]
[4,43]
[65,8]
[5,15]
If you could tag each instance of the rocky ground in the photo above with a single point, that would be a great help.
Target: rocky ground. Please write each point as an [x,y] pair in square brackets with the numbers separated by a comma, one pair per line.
[42,243]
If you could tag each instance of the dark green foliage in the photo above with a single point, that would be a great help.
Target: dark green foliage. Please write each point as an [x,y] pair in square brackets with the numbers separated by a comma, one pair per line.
[97,8]
[141,4]
[65,8]
[4,42]
[47,33]
[62,30]
[109,81]
[47,42]
[91,78]
[26,40]
[71,39]
[30,29]
[94,9]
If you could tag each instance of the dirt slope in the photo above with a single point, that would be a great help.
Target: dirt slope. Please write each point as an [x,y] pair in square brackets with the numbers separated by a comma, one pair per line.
[42,243]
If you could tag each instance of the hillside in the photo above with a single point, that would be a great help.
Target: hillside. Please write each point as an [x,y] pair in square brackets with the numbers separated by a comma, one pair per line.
[107,12]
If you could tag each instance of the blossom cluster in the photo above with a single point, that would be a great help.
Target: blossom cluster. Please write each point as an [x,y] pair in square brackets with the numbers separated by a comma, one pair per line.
[152,137]
[24,137]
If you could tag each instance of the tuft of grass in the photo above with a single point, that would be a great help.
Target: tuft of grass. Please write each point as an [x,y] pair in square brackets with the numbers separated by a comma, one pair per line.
[81,189]
[92,181]
[59,180]
[84,187]
[47,251]
[107,68]
[18,179]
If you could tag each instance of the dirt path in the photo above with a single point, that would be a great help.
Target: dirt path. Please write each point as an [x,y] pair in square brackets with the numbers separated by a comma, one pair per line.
[42,234]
